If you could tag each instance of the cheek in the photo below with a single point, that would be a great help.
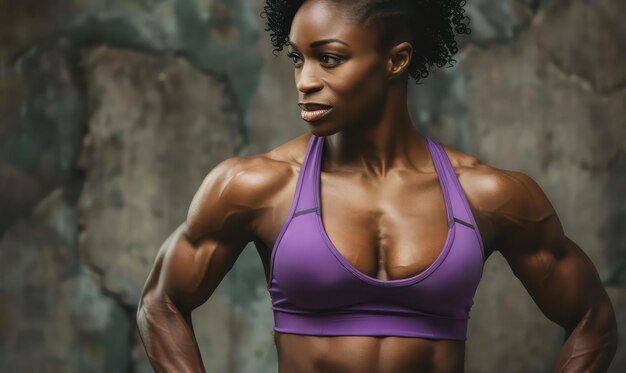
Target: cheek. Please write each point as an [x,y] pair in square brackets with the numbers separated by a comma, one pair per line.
[359,74]
[360,88]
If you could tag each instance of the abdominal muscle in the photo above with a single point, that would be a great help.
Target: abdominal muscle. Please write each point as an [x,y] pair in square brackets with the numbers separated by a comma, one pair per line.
[360,354]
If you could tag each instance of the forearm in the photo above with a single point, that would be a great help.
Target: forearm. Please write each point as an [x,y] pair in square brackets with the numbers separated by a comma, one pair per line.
[168,338]
[591,345]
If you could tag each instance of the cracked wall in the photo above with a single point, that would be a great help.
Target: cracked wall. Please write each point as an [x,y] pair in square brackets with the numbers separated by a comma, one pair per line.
[112,112]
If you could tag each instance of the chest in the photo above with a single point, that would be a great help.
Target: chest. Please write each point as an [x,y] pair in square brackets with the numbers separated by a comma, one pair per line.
[388,230]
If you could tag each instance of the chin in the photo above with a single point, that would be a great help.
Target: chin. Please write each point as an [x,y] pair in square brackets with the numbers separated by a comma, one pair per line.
[321,129]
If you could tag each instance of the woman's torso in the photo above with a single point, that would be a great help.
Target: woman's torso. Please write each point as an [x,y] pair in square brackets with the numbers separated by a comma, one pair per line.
[380,219]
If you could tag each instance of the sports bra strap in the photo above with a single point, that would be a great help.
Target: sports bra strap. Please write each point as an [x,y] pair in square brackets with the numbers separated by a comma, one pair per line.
[304,200]
[460,206]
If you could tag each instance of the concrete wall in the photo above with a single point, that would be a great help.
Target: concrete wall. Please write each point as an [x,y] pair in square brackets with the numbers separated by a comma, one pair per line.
[112,112]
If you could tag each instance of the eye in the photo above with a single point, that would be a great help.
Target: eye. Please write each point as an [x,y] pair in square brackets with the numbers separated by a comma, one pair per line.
[325,56]
[292,56]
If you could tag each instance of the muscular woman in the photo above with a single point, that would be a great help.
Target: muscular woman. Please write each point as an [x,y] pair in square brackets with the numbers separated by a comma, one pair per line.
[373,236]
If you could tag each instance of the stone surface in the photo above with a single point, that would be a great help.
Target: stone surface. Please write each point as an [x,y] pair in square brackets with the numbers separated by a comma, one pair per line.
[41,95]
[55,316]
[43,114]
[498,21]
[591,54]
[157,128]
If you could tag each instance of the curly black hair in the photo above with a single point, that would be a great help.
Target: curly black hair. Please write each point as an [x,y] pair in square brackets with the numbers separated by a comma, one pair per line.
[429,24]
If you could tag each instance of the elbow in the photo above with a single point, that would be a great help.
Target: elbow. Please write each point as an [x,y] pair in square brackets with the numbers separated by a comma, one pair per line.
[607,322]
[152,313]
[157,305]
[599,323]
[143,305]
[146,310]
[608,331]
[608,334]
[141,316]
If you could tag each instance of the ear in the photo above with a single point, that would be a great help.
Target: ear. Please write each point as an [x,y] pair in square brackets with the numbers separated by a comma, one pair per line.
[399,59]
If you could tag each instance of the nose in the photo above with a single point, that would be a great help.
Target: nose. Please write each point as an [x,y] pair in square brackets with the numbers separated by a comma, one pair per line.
[307,79]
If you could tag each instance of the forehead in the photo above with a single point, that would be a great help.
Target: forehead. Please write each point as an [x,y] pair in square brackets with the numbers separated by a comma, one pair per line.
[321,19]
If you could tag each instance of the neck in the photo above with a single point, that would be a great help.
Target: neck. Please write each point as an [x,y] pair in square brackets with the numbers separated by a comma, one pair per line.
[388,143]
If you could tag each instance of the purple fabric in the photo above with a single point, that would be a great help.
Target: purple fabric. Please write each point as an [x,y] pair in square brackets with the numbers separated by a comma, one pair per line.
[316,291]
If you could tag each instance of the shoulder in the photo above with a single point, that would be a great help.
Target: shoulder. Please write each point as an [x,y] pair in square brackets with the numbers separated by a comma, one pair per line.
[480,181]
[236,190]
[512,201]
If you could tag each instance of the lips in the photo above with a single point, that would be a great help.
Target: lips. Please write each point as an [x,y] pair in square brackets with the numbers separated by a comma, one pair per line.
[313,111]
[314,115]
[313,106]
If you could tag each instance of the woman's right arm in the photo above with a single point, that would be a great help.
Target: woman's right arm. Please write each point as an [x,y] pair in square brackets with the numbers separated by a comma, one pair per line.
[192,262]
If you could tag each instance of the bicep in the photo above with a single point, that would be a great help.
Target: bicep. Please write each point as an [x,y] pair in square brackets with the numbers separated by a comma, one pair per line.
[562,281]
[556,272]
[195,258]
[191,271]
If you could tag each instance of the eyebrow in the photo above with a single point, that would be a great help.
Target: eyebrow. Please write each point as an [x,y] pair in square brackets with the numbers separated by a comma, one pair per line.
[321,42]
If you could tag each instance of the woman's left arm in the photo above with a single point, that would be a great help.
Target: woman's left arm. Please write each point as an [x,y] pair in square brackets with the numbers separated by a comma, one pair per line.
[557,273]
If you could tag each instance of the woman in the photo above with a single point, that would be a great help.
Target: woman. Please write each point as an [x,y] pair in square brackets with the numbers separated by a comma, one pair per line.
[373,236]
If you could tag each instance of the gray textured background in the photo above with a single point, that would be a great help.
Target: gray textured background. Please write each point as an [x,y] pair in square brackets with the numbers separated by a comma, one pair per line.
[112,112]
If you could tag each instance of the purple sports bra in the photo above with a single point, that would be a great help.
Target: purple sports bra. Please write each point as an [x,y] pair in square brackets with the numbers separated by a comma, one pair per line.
[316,291]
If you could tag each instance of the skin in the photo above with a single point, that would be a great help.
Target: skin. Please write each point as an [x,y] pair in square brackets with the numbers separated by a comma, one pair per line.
[372,154]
